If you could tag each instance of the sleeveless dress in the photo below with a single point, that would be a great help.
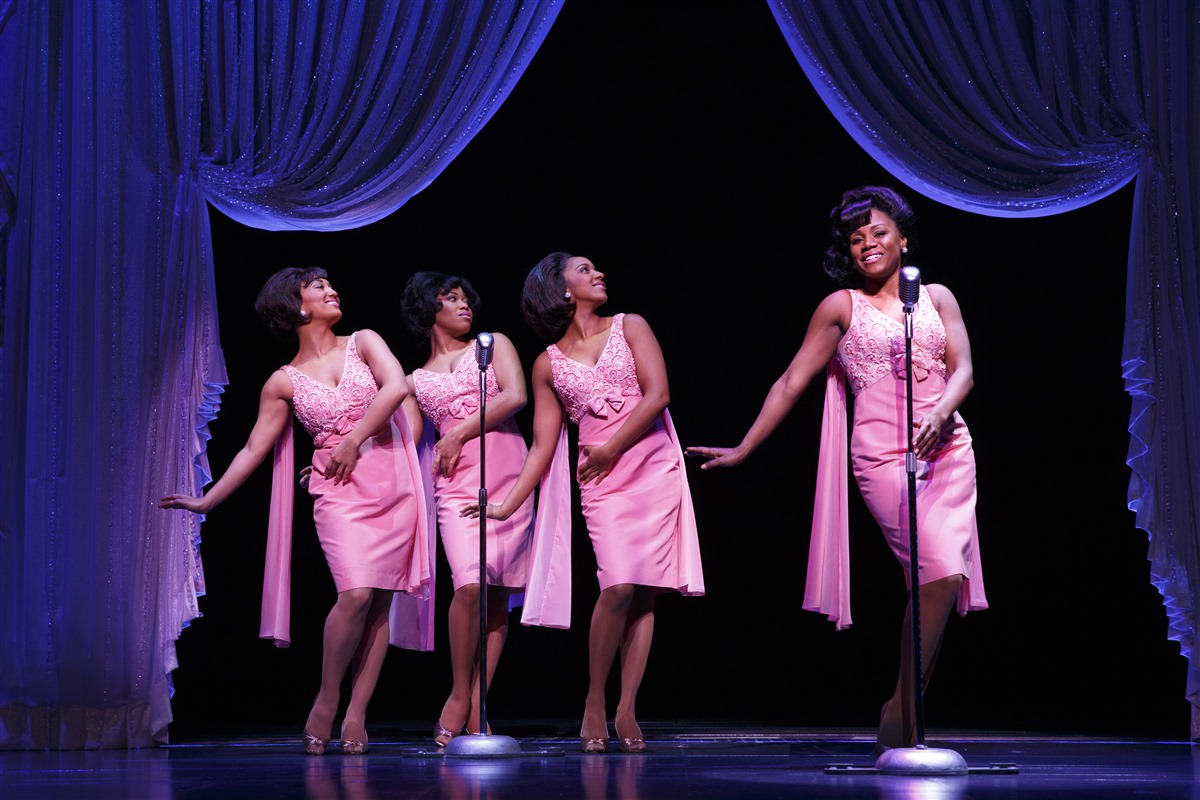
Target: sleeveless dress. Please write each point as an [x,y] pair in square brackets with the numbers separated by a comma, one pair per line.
[871,358]
[640,518]
[446,399]
[372,529]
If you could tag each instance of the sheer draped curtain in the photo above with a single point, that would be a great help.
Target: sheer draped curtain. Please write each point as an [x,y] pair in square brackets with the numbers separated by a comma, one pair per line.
[1019,109]
[122,120]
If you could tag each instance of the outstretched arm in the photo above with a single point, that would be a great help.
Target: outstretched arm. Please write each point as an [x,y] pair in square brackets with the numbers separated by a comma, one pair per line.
[510,380]
[273,414]
[547,422]
[825,329]
[596,461]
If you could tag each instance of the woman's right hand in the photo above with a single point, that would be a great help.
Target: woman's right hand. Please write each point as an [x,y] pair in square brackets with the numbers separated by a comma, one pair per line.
[717,456]
[196,505]
[471,510]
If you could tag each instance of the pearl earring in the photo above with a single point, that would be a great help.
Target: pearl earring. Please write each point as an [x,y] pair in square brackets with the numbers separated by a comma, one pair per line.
[903,249]
[567,295]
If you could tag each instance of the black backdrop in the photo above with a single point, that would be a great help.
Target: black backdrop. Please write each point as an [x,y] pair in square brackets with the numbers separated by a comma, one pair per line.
[681,148]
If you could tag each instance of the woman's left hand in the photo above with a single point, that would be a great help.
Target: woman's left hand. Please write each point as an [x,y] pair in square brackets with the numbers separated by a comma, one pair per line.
[595,464]
[341,463]
[445,456]
[927,434]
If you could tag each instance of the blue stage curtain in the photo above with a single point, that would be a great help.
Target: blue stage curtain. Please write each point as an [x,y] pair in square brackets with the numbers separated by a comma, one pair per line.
[121,120]
[1016,109]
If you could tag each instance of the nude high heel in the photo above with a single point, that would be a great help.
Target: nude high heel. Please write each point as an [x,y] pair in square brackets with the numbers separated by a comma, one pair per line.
[313,745]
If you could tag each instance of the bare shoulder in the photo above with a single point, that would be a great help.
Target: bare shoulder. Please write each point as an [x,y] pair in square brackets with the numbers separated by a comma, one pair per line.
[835,308]
[541,372]
[368,337]
[371,345]
[501,338]
[636,324]
[940,295]
[278,386]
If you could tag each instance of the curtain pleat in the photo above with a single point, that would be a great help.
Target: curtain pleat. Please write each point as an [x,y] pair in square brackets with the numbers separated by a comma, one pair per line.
[123,120]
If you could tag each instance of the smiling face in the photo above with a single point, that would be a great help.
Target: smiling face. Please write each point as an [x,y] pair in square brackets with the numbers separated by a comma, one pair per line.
[875,248]
[455,315]
[318,300]
[584,281]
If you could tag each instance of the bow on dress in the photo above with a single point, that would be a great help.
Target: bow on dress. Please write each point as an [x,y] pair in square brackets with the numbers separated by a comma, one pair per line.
[612,397]
[922,362]
[463,406]
[342,424]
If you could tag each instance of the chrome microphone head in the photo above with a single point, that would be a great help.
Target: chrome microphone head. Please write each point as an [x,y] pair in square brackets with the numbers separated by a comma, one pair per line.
[483,350]
[910,286]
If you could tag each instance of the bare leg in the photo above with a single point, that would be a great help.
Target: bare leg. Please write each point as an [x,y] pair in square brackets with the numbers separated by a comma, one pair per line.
[898,721]
[343,632]
[366,666]
[609,622]
[497,633]
[635,653]
[464,647]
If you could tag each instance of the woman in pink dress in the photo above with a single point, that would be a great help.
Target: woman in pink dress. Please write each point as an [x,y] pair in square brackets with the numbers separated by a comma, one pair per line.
[440,310]
[607,375]
[368,502]
[857,336]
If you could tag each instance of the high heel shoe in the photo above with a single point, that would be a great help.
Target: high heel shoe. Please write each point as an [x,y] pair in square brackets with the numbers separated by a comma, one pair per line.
[443,735]
[632,744]
[313,745]
[353,746]
[593,745]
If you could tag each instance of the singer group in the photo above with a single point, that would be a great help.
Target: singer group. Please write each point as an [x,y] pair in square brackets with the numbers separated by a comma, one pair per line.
[399,460]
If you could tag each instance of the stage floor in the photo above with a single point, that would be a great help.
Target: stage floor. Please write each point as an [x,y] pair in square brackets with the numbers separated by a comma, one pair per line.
[695,761]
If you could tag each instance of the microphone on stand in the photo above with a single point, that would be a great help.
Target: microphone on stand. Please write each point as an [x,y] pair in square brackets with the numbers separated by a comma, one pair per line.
[483,353]
[910,287]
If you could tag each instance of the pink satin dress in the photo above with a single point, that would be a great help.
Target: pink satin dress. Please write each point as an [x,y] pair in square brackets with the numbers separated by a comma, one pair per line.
[640,518]
[446,399]
[871,359]
[368,526]
[373,528]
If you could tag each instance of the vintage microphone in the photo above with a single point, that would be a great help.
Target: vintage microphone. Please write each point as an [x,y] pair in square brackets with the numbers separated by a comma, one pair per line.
[919,759]
[483,744]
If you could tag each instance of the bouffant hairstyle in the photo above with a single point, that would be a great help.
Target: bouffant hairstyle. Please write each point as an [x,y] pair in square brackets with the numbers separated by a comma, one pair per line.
[278,303]
[544,306]
[853,212]
[420,304]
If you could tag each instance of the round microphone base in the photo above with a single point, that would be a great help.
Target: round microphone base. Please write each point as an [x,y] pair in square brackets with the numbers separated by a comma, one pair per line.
[482,745]
[921,760]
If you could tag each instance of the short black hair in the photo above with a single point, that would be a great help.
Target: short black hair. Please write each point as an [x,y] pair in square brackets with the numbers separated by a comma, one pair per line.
[420,304]
[853,212]
[544,306]
[278,303]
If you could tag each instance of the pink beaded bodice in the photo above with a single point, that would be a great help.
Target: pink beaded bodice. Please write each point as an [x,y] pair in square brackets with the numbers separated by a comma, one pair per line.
[582,388]
[874,344]
[324,410]
[453,393]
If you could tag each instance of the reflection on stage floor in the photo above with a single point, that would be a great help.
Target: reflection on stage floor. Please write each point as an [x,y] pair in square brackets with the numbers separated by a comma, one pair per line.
[692,760]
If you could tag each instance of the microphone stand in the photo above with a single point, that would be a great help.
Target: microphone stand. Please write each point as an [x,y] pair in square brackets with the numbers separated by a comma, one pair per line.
[917,760]
[483,744]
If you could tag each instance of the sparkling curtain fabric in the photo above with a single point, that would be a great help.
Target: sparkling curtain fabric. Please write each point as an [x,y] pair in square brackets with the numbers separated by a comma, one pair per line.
[122,120]
[1022,109]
